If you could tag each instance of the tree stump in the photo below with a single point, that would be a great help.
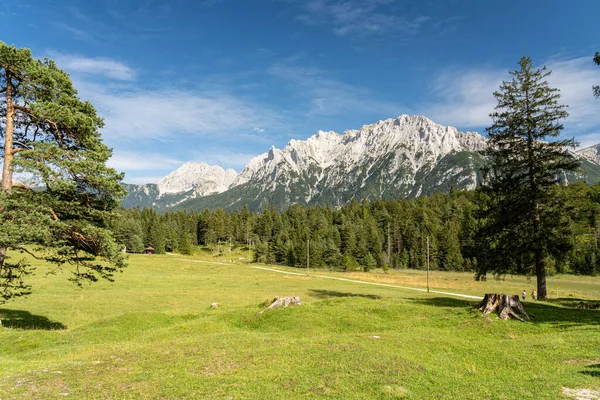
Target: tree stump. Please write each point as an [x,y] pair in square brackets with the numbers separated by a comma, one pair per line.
[507,306]
[283,301]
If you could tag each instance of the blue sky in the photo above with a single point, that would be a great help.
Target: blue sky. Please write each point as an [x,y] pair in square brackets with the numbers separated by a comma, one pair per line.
[220,81]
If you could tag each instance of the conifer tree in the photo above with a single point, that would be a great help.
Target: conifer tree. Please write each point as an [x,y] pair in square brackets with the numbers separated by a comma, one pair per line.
[51,137]
[597,88]
[524,218]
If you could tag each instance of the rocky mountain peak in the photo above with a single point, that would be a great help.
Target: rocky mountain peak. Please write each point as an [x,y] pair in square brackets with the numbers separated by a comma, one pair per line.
[591,153]
[402,157]
[200,177]
[411,141]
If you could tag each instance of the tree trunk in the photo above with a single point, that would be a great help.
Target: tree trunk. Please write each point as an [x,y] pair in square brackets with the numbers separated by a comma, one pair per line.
[540,271]
[8,138]
[2,257]
[8,152]
[540,264]
[507,306]
[389,245]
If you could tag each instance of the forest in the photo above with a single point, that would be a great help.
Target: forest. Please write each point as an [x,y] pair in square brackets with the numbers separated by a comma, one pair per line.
[368,234]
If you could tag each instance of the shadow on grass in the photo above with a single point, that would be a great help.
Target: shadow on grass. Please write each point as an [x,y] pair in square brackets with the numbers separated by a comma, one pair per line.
[444,302]
[322,294]
[592,370]
[16,319]
[573,302]
[541,312]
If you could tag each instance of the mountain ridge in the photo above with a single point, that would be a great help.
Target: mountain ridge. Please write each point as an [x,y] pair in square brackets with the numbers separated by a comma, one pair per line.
[591,153]
[200,177]
[400,157]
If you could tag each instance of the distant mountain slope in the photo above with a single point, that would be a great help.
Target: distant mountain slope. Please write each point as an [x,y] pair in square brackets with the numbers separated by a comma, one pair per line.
[396,158]
[186,182]
[591,153]
[201,178]
[148,195]
[405,157]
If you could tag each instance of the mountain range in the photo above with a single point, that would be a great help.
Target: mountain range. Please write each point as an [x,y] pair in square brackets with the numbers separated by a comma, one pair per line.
[405,157]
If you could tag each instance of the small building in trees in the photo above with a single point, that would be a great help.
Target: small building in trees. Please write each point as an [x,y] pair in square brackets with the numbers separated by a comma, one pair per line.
[149,250]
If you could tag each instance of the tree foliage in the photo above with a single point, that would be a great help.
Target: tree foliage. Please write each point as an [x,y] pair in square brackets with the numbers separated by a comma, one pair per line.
[58,205]
[526,218]
[366,235]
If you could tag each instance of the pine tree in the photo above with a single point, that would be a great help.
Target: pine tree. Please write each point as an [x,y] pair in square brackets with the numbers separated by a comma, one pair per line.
[350,263]
[597,88]
[137,244]
[331,254]
[157,238]
[52,137]
[185,246]
[369,263]
[524,218]
[128,231]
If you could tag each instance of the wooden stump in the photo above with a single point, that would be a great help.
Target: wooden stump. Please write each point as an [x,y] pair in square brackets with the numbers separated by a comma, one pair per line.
[283,301]
[507,306]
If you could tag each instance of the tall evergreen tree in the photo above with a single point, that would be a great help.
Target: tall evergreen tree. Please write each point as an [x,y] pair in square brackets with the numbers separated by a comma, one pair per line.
[52,137]
[597,88]
[524,219]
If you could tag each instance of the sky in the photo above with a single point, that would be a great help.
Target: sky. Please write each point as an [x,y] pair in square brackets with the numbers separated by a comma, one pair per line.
[221,81]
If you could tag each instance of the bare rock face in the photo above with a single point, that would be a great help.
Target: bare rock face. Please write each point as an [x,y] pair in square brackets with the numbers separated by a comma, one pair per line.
[202,178]
[396,158]
[591,153]
[412,141]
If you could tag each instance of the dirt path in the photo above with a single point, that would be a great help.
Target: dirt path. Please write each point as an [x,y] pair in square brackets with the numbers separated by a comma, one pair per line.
[464,296]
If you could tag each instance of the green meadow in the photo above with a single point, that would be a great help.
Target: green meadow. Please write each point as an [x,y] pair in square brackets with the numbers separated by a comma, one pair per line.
[151,334]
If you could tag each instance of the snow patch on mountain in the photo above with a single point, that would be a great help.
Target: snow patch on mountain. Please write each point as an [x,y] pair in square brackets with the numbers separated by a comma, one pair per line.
[413,142]
[402,157]
[202,178]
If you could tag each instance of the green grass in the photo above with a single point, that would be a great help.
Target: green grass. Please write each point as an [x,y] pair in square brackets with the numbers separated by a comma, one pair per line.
[151,334]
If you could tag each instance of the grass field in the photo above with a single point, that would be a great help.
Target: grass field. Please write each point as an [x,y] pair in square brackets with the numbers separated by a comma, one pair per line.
[151,334]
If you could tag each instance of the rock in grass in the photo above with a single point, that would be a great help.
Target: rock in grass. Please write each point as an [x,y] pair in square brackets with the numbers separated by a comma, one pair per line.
[214,305]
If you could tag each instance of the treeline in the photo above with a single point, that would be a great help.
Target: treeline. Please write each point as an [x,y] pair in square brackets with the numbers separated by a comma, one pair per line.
[363,235]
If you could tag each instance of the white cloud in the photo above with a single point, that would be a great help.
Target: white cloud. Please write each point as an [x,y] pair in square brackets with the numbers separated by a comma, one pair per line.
[464,97]
[94,66]
[76,33]
[589,139]
[133,113]
[172,114]
[179,120]
[358,17]
[575,79]
[328,96]
[141,161]
[141,180]
[138,162]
